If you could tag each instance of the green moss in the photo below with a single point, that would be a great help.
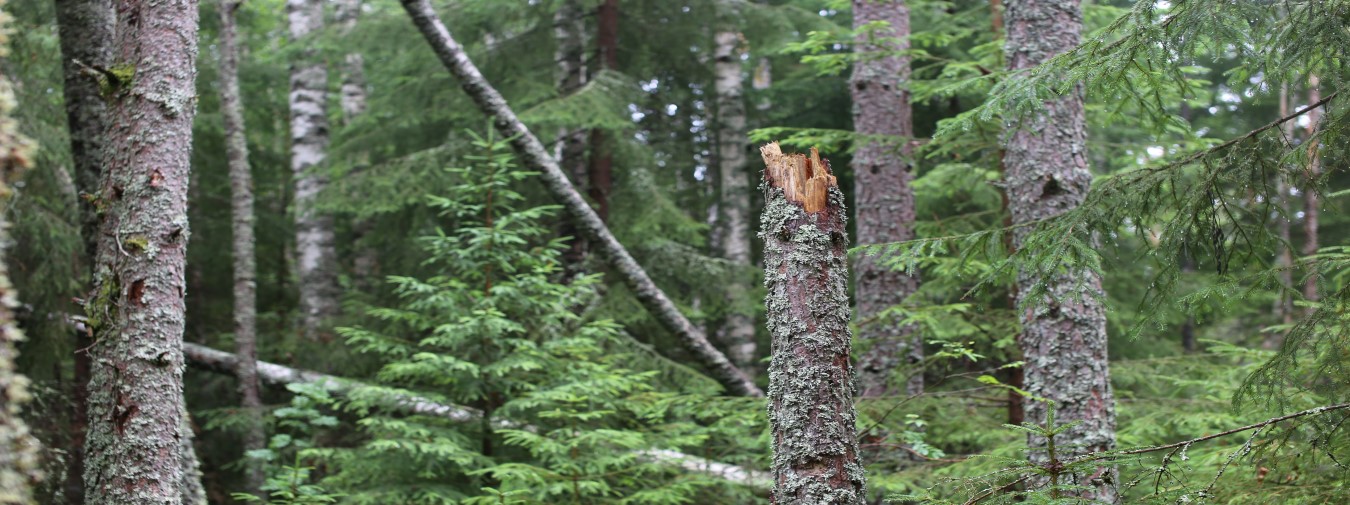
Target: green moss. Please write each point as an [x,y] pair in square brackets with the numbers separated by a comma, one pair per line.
[98,310]
[136,243]
[115,80]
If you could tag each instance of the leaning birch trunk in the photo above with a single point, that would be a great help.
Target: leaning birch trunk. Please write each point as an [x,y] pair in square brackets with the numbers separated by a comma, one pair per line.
[815,440]
[18,448]
[245,268]
[315,243]
[533,155]
[85,28]
[737,334]
[1064,335]
[885,206]
[136,312]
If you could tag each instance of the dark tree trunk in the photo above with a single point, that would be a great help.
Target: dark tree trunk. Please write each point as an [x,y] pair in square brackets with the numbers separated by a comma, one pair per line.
[245,269]
[811,413]
[885,207]
[1312,210]
[85,28]
[533,155]
[1064,336]
[315,242]
[19,464]
[601,171]
[136,412]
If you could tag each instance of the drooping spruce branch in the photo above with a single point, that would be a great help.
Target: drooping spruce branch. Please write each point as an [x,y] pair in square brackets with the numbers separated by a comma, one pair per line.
[213,360]
[536,157]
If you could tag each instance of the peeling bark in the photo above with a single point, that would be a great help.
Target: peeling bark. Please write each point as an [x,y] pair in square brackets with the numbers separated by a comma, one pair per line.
[811,413]
[885,210]
[136,313]
[314,236]
[19,464]
[533,155]
[85,28]
[737,333]
[245,267]
[1064,337]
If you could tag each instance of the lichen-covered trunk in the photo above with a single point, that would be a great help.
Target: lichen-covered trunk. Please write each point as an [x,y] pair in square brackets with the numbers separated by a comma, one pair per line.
[1064,336]
[315,243]
[533,155]
[245,267]
[569,30]
[737,333]
[811,413]
[134,451]
[85,28]
[19,465]
[885,206]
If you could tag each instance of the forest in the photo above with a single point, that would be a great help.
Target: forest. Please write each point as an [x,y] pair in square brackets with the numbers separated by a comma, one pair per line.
[659,252]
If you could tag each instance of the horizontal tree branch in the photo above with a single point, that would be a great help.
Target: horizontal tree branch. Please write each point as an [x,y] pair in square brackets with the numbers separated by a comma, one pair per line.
[209,359]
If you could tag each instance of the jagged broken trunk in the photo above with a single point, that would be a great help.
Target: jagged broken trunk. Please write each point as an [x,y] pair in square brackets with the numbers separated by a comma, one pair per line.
[815,444]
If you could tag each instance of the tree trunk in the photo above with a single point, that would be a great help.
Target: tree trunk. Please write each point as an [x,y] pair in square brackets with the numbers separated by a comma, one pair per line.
[1311,207]
[533,155]
[85,28]
[601,171]
[737,333]
[190,487]
[1284,304]
[815,440]
[881,113]
[314,236]
[569,28]
[136,311]
[19,464]
[245,268]
[1064,336]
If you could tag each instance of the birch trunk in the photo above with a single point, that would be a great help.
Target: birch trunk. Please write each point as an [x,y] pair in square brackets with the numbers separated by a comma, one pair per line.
[885,210]
[134,452]
[1064,338]
[533,155]
[85,28]
[19,464]
[245,268]
[314,236]
[811,413]
[737,333]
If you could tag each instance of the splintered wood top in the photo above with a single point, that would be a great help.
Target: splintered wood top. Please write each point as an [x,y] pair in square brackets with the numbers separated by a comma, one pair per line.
[804,180]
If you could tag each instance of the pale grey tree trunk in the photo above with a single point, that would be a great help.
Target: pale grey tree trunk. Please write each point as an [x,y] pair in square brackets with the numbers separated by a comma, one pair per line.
[245,266]
[366,260]
[569,30]
[19,464]
[811,413]
[533,155]
[85,28]
[1064,335]
[737,333]
[191,488]
[885,207]
[136,312]
[315,243]
[1312,210]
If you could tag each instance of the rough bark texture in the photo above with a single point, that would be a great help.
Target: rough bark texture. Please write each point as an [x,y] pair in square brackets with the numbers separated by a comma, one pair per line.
[85,28]
[534,156]
[245,268]
[737,333]
[601,170]
[314,237]
[219,361]
[19,465]
[815,440]
[569,29]
[1311,207]
[885,207]
[1064,337]
[191,488]
[136,312]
